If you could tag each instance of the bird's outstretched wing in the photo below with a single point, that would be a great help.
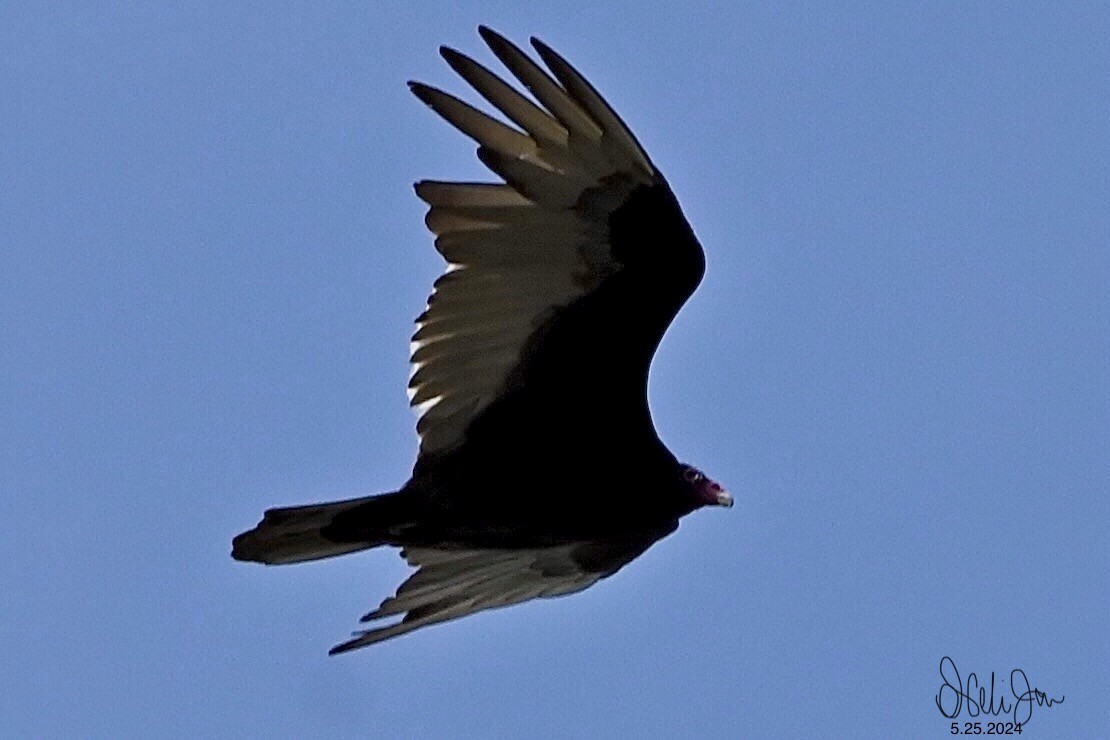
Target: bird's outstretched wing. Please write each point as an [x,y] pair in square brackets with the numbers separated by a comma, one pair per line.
[581,216]
[455,582]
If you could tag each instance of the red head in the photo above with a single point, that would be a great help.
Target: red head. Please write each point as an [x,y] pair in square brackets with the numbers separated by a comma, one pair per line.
[707,492]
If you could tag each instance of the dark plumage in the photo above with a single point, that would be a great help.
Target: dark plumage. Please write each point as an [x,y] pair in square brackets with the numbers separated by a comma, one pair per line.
[540,471]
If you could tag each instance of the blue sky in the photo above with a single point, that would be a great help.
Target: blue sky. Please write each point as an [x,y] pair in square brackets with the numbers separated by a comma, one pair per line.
[898,362]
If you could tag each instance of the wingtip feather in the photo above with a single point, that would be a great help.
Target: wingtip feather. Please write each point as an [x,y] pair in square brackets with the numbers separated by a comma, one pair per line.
[487,33]
[451,56]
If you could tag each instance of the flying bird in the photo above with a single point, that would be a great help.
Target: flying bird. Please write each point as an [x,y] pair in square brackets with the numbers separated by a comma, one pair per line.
[539,470]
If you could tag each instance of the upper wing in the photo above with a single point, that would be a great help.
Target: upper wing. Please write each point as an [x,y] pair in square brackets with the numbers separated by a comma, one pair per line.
[581,210]
[453,583]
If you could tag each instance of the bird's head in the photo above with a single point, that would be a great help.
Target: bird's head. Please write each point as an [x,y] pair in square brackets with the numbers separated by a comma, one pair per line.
[704,490]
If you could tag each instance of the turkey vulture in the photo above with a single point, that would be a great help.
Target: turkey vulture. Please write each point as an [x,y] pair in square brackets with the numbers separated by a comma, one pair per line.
[539,470]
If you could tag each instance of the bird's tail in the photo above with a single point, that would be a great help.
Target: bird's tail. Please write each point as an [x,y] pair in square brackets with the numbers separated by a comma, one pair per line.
[296,534]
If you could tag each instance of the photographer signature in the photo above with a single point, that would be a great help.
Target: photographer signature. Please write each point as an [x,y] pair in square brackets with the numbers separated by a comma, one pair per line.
[954,693]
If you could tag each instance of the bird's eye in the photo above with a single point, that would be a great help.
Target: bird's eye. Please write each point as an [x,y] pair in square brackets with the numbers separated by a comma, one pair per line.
[692,475]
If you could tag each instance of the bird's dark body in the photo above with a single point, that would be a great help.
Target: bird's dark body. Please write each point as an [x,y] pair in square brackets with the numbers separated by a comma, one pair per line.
[560,456]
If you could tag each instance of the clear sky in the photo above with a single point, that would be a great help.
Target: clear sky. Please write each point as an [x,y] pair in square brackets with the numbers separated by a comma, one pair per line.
[211,256]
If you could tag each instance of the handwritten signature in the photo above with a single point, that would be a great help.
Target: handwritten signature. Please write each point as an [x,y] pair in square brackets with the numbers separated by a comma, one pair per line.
[954,693]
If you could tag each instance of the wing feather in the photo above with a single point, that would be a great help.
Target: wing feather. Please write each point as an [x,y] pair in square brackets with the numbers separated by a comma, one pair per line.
[484,129]
[469,194]
[554,190]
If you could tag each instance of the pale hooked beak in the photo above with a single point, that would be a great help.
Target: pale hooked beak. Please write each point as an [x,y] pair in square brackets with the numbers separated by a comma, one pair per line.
[709,491]
[714,494]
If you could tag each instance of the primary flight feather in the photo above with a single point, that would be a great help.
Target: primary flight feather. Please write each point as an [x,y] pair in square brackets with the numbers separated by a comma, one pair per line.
[539,470]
